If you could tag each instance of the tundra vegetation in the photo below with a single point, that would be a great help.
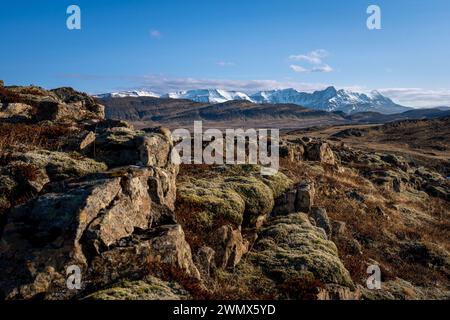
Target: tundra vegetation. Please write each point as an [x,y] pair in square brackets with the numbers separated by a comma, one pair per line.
[79,189]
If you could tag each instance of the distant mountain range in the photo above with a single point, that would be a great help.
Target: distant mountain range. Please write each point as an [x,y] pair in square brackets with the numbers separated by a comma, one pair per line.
[329,99]
[128,94]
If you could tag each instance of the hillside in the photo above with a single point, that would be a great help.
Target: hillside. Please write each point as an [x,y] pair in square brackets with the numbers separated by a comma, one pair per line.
[174,113]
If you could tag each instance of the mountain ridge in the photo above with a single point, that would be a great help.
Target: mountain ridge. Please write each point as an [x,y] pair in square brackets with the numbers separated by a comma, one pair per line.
[329,99]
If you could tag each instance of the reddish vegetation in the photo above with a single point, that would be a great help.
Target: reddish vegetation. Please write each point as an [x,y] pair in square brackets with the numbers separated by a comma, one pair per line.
[30,136]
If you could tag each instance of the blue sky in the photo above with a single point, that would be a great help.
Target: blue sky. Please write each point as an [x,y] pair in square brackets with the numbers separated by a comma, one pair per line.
[248,45]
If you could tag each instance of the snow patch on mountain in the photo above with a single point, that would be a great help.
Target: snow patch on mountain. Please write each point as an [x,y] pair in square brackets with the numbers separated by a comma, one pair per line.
[208,95]
[329,99]
[126,94]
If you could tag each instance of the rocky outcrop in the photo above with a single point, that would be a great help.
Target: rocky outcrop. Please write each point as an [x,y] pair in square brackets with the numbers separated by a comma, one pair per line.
[112,219]
[321,152]
[80,220]
[299,198]
[230,247]
[36,104]
[307,149]
[395,173]
[291,248]
[320,217]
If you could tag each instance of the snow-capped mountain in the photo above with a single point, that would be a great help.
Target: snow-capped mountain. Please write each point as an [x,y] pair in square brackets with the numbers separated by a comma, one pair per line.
[332,99]
[125,94]
[208,95]
[329,99]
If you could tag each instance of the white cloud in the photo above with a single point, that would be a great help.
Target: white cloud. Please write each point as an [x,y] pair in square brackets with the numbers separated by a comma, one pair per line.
[418,97]
[325,68]
[164,84]
[314,57]
[298,69]
[156,34]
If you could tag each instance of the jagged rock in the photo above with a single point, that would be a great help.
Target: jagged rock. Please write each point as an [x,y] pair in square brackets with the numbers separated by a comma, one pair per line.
[305,197]
[120,146]
[62,105]
[285,204]
[396,161]
[150,288]
[112,223]
[290,248]
[427,254]
[162,249]
[321,218]
[154,150]
[205,260]
[292,151]
[321,152]
[339,228]
[438,191]
[2,84]
[16,110]
[79,220]
[87,139]
[229,246]
[79,105]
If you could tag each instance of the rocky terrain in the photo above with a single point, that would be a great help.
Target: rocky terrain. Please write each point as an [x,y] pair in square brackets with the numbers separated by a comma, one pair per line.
[77,189]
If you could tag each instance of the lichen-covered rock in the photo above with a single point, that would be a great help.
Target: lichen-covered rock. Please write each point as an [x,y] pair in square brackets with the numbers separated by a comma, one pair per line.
[16,110]
[285,203]
[78,220]
[60,165]
[229,246]
[305,197]
[63,104]
[217,203]
[257,196]
[289,248]
[150,288]
[320,216]
[238,197]
[321,152]
[161,249]
[121,146]
[205,260]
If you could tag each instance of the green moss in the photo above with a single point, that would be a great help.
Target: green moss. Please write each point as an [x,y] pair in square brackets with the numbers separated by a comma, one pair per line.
[257,196]
[61,165]
[119,136]
[291,248]
[234,194]
[150,288]
[217,202]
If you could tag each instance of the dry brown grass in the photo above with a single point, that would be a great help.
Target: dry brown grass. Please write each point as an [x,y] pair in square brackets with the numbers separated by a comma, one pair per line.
[31,136]
[377,224]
